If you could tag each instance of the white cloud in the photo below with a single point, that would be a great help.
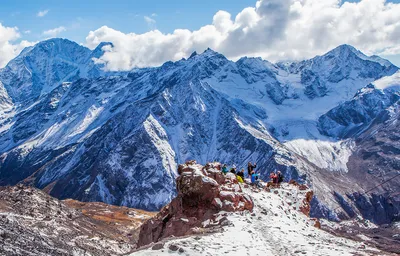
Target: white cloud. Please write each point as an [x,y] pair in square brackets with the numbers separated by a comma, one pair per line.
[42,13]
[150,22]
[27,32]
[154,15]
[54,32]
[8,50]
[273,29]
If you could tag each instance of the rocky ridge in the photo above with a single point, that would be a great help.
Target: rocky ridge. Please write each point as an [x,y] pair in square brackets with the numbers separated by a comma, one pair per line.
[34,223]
[277,223]
[203,192]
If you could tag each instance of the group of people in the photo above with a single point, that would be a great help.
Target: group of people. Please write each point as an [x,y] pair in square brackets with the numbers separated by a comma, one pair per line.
[276,178]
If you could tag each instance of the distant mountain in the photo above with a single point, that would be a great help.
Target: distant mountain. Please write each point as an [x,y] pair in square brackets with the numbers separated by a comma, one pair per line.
[40,68]
[84,133]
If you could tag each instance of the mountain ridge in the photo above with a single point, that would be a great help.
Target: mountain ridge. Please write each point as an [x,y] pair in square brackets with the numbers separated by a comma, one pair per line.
[117,137]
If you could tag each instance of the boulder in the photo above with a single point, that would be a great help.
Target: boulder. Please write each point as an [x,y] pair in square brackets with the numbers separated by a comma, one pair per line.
[316,222]
[157,246]
[202,193]
[216,174]
[306,204]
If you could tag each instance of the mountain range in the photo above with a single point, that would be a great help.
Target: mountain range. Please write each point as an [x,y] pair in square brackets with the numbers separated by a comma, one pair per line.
[72,128]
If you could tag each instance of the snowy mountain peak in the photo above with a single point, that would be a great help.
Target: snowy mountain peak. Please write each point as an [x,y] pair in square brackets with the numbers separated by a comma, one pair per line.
[344,48]
[193,54]
[345,51]
[99,50]
[58,47]
[209,50]
[209,53]
[41,68]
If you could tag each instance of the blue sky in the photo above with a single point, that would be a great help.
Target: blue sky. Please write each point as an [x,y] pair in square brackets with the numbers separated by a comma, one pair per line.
[79,17]
[284,39]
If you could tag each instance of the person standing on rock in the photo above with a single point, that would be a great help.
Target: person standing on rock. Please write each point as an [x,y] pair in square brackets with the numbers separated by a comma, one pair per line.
[250,168]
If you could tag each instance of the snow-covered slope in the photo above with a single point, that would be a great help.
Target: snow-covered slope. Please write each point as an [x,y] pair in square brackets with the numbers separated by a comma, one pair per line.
[351,117]
[117,137]
[275,227]
[370,121]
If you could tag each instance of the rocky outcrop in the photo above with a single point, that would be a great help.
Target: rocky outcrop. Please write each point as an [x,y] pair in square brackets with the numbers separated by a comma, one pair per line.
[203,192]
[34,223]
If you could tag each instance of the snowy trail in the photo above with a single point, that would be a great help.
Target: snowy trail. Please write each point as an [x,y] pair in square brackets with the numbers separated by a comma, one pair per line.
[274,228]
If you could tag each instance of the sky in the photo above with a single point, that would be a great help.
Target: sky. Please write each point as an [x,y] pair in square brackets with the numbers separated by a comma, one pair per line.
[148,33]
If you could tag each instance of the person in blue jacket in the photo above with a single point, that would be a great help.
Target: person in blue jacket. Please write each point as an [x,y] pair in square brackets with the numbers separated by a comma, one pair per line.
[255,180]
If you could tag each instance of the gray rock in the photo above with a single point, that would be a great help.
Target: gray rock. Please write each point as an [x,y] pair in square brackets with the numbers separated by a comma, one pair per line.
[158,246]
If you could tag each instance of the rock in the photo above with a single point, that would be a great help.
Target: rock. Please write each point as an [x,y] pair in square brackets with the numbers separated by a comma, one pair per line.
[303,187]
[216,175]
[181,250]
[231,177]
[317,223]
[202,193]
[158,246]
[217,203]
[191,162]
[173,247]
[306,204]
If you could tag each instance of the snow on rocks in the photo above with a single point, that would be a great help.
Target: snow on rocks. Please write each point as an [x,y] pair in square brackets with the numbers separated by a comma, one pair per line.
[34,223]
[198,206]
[274,227]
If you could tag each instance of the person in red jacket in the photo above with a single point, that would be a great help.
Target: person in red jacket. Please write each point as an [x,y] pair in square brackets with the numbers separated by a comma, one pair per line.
[274,180]
[274,177]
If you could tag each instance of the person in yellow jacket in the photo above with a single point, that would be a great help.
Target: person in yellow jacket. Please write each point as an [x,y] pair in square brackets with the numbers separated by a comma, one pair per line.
[240,176]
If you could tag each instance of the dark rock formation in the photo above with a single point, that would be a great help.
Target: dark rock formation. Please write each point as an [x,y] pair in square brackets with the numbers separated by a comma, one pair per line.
[202,193]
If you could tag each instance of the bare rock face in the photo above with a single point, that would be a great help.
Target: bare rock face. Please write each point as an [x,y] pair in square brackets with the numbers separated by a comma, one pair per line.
[202,193]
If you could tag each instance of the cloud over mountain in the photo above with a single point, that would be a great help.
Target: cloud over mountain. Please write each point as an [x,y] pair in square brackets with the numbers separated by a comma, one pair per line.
[8,50]
[54,32]
[273,29]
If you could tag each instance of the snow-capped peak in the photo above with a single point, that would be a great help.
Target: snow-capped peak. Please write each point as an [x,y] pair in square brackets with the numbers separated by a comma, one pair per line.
[99,50]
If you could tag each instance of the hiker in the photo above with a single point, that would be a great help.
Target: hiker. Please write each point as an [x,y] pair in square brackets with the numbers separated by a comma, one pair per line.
[224,169]
[240,176]
[274,178]
[250,168]
[233,170]
[279,177]
[273,181]
[255,181]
